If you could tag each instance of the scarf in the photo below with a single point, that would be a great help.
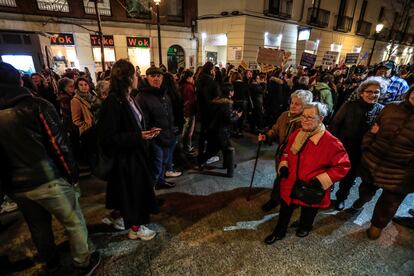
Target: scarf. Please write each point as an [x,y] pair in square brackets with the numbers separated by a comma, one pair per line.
[303,136]
[86,96]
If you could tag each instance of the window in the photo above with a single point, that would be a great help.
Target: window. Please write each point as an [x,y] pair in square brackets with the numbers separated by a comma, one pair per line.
[53,5]
[304,34]
[104,7]
[274,6]
[139,8]
[175,10]
[8,3]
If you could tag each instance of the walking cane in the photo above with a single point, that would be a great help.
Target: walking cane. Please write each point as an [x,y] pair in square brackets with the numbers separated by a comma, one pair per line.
[254,170]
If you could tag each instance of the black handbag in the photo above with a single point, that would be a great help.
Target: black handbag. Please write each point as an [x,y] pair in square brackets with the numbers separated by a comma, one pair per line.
[103,165]
[305,192]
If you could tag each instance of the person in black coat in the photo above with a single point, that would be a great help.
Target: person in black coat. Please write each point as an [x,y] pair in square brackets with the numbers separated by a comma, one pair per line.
[276,100]
[257,89]
[123,137]
[206,90]
[350,124]
[221,116]
[241,101]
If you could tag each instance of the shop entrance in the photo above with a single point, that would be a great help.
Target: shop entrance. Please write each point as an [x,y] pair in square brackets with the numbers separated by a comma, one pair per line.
[175,58]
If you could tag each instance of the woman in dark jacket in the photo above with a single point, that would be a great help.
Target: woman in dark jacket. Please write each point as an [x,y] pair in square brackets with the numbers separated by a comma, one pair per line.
[221,116]
[241,100]
[257,91]
[123,137]
[189,98]
[388,162]
[276,100]
[350,124]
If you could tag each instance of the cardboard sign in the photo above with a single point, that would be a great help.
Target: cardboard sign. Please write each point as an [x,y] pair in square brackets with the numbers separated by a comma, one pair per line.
[253,65]
[108,40]
[308,60]
[351,58]
[139,42]
[329,58]
[62,39]
[270,56]
[244,65]
[265,68]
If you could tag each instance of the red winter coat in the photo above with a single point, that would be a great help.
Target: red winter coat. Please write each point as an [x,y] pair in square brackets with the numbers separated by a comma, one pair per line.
[189,98]
[323,157]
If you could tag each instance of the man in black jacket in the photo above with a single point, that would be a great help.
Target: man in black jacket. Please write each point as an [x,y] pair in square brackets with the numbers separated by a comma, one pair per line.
[38,171]
[158,113]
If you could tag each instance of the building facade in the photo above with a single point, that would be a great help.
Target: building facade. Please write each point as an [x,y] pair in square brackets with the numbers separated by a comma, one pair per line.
[64,33]
[233,30]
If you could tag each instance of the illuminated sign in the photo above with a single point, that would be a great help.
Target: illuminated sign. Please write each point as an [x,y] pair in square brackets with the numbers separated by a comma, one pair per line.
[62,39]
[108,40]
[141,42]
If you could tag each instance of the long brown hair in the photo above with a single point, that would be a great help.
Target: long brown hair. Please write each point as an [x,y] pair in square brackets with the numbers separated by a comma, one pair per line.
[122,75]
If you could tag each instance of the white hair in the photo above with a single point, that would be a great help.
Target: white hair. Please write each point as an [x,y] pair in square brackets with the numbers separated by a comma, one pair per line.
[304,95]
[320,107]
[379,81]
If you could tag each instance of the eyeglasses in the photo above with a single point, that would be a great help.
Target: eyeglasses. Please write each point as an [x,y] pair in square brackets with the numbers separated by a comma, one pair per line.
[370,92]
[308,118]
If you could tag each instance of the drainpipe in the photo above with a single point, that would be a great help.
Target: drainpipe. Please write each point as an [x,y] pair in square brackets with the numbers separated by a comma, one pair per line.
[302,10]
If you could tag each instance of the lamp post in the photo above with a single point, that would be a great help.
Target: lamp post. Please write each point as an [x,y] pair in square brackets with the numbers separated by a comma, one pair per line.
[378,29]
[100,33]
[157,3]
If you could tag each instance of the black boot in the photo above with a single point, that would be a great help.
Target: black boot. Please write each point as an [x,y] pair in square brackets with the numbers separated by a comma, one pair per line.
[271,204]
[230,161]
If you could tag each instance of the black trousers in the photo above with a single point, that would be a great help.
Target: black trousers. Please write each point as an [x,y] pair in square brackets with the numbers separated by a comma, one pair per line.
[307,217]
[386,206]
[346,184]
[275,194]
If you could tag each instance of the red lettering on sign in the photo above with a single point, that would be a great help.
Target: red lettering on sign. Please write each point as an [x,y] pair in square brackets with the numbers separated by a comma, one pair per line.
[110,42]
[94,40]
[68,40]
[132,41]
[146,42]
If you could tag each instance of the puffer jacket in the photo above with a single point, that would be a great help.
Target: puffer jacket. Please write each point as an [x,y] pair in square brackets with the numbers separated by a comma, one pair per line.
[158,112]
[350,124]
[33,147]
[322,93]
[388,156]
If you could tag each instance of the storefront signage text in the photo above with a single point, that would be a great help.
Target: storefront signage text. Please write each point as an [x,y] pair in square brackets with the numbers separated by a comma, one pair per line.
[141,42]
[62,39]
[108,40]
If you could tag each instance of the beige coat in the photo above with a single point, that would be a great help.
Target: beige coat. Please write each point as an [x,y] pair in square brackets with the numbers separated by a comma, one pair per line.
[82,116]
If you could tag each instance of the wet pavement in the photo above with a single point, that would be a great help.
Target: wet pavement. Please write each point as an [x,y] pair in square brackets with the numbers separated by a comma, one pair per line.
[207,227]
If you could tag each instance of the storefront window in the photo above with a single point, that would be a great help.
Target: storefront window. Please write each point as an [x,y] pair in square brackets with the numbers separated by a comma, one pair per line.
[139,52]
[175,58]
[53,5]
[138,8]
[214,48]
[104,7]
[175,10]
[63,52]
[23,63]
[272,40]
[109,51]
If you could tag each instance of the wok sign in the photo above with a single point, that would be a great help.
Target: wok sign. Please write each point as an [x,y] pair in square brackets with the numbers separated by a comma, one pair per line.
[140,42]
[62,39]
[108,40]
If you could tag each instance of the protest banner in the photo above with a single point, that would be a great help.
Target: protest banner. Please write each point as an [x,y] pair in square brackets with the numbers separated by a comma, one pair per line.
[308,60]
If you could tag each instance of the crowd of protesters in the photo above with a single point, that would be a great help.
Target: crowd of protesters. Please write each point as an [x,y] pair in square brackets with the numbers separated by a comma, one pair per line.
[330,125]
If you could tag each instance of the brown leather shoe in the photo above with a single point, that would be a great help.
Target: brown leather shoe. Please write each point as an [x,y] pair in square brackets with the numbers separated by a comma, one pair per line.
[373,232]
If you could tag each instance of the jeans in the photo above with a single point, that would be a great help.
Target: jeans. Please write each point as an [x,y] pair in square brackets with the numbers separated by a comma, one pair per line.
[61,199]
[171,149]
[188,131]
[307,217]
[160,156]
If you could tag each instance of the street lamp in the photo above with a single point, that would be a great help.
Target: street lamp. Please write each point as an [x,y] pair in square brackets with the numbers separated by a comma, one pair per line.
[157,3]
[378,29]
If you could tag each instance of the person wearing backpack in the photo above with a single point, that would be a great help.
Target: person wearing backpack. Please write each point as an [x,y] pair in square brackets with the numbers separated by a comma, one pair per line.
[322,91]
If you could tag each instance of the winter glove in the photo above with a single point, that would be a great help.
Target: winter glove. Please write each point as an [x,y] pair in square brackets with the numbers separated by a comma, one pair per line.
[316,183]
[283,172]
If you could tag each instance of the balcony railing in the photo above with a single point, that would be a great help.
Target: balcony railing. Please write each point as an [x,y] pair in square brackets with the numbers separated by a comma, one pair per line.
[104,8]
[364,28]
[8,3]
[318,17]
[344,23]
[53,5]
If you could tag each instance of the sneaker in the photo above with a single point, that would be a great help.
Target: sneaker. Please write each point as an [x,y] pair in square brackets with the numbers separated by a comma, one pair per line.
[143,233]
[213,160]
[173,174]
[116,223]
[8,206]
[94,262]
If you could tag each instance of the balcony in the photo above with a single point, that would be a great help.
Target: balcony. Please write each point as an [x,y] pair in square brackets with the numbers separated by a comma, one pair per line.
[104,7]
[363,28]
[318,17]
[283,10]
[344,24]
[8,3]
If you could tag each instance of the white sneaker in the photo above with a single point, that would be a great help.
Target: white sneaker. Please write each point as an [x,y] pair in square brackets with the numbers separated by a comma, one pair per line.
[143,233]
[8,206]
[213,159]
[116,223]
[173,174]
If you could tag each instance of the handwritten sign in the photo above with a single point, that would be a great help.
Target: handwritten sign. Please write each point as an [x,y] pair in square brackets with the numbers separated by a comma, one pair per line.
[271,56]
[351,58]
[329,58]
[308,60]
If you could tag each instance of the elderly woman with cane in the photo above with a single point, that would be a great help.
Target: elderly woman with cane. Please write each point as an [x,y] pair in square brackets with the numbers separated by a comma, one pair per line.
[287,122]
[312,161]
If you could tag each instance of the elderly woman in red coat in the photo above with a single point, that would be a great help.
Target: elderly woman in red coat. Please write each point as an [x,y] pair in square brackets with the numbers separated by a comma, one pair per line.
[322,162]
